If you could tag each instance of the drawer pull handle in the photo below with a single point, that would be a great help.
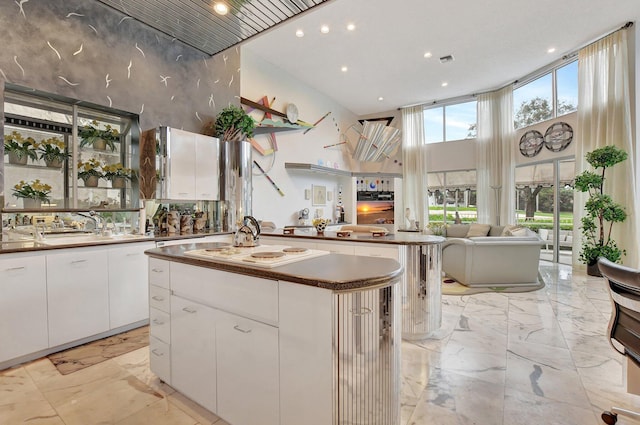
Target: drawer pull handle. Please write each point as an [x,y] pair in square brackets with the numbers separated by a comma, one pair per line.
[13,269]
[158,322]
[157,298]
[78,261]
[157,353]
[362,312]
[239,329]
[189,310]
[157,270]
[132,254]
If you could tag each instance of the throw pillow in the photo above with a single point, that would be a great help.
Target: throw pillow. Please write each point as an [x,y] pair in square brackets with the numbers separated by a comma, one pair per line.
[457,231]
[509,228]
[518,231]
[476,229]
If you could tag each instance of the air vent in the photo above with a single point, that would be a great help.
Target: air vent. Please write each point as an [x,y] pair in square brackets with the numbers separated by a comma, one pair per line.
[445,59]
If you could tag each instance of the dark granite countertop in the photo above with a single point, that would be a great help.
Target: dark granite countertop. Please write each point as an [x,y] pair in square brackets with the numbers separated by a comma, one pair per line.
[7,247]
[336,272]
[403,238]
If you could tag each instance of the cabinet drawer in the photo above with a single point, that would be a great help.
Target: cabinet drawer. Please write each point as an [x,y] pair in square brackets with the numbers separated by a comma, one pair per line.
[159,272]
[160,325]
[160,359]
[159,298]
[336,247]
[247,296]
[377,251]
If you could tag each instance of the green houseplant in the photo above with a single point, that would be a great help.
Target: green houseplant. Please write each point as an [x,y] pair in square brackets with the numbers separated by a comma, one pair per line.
[19,148]
[117,174]
[99,138]
[233,124]
[601,211]
[51,150]
[33,193]
[90,172]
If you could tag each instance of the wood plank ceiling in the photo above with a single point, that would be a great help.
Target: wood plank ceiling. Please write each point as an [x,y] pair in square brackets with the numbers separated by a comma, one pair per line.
[195,23]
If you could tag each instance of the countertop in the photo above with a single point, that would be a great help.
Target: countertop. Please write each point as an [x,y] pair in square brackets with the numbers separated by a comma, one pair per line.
[7,247]
[336,272]
[402,238]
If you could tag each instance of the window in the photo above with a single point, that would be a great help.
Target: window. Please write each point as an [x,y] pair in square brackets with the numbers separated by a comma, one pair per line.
[535,101]
[452,195]
[452,122]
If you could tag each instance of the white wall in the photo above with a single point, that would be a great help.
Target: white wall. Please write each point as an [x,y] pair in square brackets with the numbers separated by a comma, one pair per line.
[260,78]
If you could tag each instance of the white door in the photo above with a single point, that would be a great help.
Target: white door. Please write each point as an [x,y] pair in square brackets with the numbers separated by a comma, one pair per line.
[128,284]
[207,167]
[23,305]
[78,294]
[193,351]
[182,165]
[248,371]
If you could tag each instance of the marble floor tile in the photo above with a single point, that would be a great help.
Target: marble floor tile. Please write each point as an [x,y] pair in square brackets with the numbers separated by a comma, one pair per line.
[159,413]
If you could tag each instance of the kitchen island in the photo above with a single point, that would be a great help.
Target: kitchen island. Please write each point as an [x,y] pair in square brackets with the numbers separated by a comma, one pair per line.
[314,342]
[420,255]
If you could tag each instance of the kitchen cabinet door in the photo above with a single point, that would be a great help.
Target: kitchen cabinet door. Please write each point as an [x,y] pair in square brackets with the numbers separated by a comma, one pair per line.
[182,163]
[23,305]
[77,294]
[193,351]
[128,284]
[248,371]
[207,167]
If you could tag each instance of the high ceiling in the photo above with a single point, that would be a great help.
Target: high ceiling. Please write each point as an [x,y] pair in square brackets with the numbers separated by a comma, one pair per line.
[493,43]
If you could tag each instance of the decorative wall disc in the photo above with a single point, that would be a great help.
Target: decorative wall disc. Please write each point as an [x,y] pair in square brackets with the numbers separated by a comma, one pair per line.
[558,136]
[531,143]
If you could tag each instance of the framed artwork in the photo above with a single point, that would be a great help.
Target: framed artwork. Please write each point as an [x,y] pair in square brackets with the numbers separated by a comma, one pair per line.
[318,195]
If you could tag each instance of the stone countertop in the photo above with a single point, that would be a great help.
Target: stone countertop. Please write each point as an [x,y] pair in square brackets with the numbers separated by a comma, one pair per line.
[336,272]
[7,247]
[403,238]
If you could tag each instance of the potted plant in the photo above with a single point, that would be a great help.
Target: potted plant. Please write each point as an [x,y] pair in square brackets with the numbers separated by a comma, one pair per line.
[100,139]
[51,150]
[19,148]
[601,211]
[117,174]
[32,193]
[233,124]
[90,172]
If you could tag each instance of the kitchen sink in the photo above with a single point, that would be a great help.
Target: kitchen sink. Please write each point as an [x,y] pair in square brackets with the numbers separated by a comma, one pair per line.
[54,240]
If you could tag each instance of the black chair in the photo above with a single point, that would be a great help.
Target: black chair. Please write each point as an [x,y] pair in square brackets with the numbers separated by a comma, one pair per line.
[624,326]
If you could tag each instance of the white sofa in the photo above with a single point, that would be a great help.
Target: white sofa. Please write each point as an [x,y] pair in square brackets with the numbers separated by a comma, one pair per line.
[497,259]
[565,238]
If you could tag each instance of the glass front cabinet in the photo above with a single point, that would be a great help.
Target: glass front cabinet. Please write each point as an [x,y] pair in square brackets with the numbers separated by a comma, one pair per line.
[62,154]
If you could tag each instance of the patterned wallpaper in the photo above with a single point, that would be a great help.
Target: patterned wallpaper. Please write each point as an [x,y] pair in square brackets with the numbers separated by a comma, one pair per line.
[86,50]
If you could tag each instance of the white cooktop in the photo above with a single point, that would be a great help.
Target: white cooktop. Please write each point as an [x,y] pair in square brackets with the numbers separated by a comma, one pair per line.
[268,256]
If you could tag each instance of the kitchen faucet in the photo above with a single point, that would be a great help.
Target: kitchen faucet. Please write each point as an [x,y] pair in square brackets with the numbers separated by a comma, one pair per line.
[95,217]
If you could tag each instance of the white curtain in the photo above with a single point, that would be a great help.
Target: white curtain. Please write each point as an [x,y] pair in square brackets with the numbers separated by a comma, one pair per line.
[604,118]
[494,158]
[414,165]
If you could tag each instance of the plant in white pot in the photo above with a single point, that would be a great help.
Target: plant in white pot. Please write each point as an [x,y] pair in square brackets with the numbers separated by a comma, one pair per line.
[601,211]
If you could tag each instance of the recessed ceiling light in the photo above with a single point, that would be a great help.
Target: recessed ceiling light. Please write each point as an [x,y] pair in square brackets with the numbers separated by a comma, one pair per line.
[221,8]
[428,55]
[299,33]
[381,98]
[551,49]
[351,27]
[344,69]
[445,84]
[324,29]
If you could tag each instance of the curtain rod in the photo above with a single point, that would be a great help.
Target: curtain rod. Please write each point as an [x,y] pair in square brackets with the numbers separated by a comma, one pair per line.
[527,78]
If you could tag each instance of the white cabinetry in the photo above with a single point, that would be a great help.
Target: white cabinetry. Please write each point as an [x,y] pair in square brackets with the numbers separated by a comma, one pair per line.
[78,294]
[377,250]
[192,166]
[248,371]
[193,351]
[160,319]
[23,305]
[128,284]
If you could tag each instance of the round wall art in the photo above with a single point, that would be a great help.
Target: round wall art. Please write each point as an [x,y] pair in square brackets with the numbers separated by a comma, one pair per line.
[531,143]
[558,136]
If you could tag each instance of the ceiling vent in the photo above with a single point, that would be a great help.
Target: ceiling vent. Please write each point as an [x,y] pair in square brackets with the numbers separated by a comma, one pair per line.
[445,59]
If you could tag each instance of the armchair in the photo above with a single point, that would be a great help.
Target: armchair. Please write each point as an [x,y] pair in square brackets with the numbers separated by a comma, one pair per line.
[624,325]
